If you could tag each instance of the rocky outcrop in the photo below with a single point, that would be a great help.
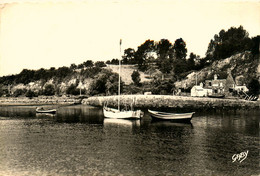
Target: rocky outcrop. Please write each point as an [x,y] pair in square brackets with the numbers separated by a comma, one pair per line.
[241,65]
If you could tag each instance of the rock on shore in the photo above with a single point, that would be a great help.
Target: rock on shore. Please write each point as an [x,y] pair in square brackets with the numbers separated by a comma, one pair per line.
[169,101]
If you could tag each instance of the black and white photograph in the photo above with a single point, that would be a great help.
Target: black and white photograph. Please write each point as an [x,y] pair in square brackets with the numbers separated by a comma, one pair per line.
[129,87]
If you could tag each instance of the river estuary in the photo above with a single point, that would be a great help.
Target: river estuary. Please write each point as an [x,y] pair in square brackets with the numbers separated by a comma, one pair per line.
[79,141]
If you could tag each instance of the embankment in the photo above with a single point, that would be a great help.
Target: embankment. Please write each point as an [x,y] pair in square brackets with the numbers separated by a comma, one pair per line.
[174,102]
[43,100]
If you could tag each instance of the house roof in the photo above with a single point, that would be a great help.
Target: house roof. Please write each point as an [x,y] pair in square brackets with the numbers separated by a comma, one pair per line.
[197,87]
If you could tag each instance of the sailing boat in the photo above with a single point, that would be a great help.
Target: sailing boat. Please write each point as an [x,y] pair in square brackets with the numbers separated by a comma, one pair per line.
[117,113]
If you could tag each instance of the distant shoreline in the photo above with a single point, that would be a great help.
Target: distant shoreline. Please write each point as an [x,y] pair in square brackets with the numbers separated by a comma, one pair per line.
[43,100]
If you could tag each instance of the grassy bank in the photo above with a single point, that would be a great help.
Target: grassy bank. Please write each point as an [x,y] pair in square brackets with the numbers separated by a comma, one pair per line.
[174,102]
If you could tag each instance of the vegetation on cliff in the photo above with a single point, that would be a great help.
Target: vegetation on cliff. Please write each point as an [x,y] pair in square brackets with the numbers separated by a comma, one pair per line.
[157,66]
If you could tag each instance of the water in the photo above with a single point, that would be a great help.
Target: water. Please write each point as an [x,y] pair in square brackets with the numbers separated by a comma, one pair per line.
[79,141]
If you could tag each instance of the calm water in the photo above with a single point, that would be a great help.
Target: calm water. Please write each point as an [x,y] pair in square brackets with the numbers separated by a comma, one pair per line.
[79,141]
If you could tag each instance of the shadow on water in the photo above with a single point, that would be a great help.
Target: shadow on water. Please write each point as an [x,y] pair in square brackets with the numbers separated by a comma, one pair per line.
[18,111]
[80,114]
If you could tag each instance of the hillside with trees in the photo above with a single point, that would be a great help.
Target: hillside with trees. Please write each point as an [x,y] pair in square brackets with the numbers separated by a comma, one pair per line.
[157,66]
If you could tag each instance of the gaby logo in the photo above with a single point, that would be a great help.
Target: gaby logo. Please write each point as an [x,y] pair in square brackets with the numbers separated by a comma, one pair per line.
[239,157]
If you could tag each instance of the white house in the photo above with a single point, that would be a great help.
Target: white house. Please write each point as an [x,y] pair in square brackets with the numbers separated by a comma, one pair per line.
[198,91]
[241,88]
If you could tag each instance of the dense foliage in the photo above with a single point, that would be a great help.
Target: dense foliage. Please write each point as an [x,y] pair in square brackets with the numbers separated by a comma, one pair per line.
[136,77]
[230,42]
[165,62]
[254,87]
[105,83]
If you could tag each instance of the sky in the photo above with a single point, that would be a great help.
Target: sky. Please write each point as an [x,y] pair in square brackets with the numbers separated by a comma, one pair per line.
[43,34]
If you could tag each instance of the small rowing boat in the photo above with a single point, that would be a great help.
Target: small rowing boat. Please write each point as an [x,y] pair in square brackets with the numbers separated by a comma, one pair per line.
[171,116]
[41,110]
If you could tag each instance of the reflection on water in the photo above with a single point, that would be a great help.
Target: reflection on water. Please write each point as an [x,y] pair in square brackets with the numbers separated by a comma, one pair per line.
[82,114]
[121,122]
[79,141]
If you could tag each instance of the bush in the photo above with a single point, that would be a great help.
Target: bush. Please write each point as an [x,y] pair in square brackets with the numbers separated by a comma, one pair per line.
[254,87]
[162,87]
[49,90]
[31,93]
[73,90]
[100,64]
[19,92]
[106,82]
[136,77]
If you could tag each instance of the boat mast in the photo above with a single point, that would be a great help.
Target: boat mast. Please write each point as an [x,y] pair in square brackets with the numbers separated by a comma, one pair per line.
[196,79]
[120,43]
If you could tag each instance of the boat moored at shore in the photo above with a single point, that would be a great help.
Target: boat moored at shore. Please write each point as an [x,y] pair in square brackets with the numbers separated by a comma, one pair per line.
[50,111]
[178,117]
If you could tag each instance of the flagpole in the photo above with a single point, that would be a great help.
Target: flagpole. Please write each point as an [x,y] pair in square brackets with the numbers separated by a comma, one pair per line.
[119,76]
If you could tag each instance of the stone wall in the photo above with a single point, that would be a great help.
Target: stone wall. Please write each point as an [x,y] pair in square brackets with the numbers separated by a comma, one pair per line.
[174,102]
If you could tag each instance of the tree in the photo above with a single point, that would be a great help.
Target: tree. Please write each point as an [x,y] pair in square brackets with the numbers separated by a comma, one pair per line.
[88,63]
[143,53]
[19,92]
[228,43]
[112,84]
[30,93]
[162,86]
[136,77]
[105,82]
[180,50]
[40,74]
[255,45]
[150,70]
[1,90]
[62,72]
[49,90]
[128,57]
[114,61]
[254,87]
[25,76]
[73,66]
[180,66]
[100,64]
[191,61]
[73,90]
[164,50]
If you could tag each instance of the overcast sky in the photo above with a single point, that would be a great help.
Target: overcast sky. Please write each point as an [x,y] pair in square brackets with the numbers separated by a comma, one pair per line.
[42,35]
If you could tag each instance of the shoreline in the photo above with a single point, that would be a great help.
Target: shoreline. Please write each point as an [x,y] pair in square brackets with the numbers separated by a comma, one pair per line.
[43,100]
[174,102]
[140,101]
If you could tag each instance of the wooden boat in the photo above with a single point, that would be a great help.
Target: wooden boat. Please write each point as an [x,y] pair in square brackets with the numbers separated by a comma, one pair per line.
[41,110]
[171,116]
[118,113]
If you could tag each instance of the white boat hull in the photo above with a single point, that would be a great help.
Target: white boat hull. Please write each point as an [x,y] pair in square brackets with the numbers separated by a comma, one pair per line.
[116,114]
[52,111]
[171,116]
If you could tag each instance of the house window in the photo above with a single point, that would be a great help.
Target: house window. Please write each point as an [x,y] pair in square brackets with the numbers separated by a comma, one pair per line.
[209,83]
[216,91]
[221,84]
